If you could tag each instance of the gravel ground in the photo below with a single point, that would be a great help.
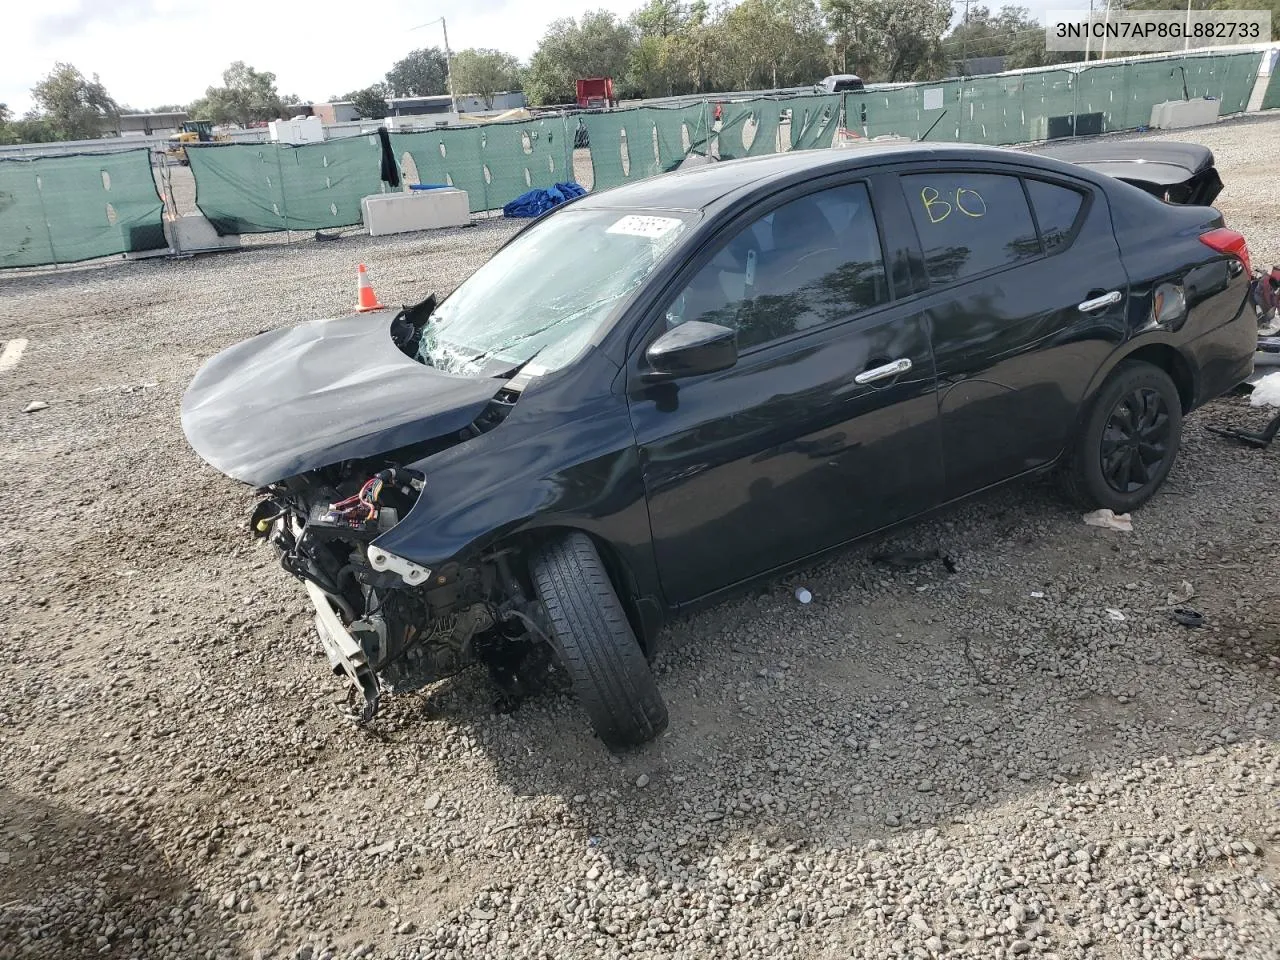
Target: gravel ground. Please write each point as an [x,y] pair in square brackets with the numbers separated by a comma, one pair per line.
[1025,758]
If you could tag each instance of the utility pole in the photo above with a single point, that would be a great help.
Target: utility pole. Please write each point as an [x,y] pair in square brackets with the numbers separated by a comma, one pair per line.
[1107,22]
[964,69]
[448,60]
[1088,32]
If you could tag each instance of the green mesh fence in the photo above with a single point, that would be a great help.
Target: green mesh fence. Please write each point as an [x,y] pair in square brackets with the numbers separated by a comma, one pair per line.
[814,120]
[629,145]
[265,187]
[1019,108]
[1271,99]
[751,128]
[255,188]
[63,209]
[494,163]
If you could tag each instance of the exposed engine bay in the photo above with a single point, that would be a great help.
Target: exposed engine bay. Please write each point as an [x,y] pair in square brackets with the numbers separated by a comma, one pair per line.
[395,626]
[386,623]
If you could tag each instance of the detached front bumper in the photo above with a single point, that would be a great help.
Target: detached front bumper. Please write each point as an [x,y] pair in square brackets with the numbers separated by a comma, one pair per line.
[345,654]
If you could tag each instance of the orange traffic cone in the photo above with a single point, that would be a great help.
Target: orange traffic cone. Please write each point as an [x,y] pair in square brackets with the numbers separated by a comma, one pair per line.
[366,299]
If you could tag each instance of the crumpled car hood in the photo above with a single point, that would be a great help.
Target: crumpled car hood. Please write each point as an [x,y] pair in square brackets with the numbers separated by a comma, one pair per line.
[295,399]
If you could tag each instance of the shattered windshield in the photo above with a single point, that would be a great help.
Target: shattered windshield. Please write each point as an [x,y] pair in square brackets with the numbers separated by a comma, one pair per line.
[547,292]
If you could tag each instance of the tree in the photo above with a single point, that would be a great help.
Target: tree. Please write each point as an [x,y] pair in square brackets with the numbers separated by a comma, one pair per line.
[847,30]
[423,73]
[484,72]
[598,45]
[773,43]
[246,96]
[370,103]
[1011,33]
[905,37]
[668,57]
[74,108]
[695,51]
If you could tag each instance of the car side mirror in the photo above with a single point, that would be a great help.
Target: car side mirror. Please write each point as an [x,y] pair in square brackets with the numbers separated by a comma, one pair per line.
[692,348]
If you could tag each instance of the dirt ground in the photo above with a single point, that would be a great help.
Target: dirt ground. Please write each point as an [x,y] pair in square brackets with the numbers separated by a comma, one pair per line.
[1027,757]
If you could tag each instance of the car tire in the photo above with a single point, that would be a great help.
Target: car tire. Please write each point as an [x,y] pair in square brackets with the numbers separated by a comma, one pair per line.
[1129,441]
[595,642]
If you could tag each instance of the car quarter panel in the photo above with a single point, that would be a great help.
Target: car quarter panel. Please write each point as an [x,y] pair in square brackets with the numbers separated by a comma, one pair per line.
[1216,333]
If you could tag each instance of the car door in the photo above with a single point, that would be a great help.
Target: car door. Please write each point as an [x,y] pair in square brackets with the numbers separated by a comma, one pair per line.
[1026,296]
[826,426]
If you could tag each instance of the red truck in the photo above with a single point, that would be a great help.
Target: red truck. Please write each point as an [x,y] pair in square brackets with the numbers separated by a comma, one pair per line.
[596,92]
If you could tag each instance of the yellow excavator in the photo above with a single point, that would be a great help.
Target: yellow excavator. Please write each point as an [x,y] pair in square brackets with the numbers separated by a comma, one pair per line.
[191,131]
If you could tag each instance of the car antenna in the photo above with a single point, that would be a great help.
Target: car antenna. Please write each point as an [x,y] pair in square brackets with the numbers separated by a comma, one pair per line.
[931,126]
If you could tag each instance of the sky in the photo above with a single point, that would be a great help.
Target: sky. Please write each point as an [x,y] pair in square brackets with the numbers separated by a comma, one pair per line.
[152,52]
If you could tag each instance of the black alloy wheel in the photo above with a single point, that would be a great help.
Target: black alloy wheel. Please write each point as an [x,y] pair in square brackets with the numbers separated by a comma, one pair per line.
[1135,440]
[1127,442]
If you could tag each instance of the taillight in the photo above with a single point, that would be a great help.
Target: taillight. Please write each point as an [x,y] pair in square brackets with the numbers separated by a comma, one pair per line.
[1229,241]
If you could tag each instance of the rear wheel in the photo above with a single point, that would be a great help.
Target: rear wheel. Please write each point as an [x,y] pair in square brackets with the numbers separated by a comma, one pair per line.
[595,642]
[1129,441]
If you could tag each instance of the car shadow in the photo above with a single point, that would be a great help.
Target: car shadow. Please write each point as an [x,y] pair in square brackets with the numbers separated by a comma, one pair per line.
[75,884]
[901,700]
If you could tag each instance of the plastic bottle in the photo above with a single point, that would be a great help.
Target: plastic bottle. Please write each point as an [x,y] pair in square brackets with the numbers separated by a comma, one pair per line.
[803,595]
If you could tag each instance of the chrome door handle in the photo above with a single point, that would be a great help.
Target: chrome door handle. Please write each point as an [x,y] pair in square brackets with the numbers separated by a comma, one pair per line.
[892,369]
[1097,303]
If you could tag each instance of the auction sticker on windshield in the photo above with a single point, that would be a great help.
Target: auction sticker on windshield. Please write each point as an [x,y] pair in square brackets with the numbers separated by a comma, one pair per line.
[636,225]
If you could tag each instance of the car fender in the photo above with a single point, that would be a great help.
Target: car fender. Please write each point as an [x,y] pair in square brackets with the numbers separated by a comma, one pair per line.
[561,459]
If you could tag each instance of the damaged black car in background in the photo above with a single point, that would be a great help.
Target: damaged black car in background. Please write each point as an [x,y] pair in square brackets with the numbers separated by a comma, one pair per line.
[658,393]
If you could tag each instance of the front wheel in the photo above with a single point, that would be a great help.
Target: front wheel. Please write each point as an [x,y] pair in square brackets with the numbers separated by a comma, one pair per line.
[595,642]
[1129,441]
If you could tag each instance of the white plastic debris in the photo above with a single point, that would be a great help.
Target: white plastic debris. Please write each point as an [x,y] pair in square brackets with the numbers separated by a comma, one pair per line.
[1110,521]
[1114,614]
[35,405]
[1266,392]
[803,595]
[1038,594]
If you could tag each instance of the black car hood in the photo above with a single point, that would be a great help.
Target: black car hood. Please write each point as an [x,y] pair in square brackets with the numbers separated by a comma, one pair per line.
[291,400]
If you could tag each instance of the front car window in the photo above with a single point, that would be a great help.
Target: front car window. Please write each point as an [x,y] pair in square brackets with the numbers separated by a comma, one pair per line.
[813,261]
[547,292]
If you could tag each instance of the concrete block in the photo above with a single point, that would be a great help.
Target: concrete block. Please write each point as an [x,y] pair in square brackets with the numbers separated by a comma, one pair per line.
[386,213]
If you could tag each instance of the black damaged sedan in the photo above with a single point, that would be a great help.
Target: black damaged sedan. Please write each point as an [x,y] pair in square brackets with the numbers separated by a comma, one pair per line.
[655,394]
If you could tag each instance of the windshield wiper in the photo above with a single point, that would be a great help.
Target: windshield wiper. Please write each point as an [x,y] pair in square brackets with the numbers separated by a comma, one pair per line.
[510,374]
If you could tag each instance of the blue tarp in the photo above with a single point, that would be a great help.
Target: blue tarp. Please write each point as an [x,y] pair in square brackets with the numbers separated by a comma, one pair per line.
[539,200]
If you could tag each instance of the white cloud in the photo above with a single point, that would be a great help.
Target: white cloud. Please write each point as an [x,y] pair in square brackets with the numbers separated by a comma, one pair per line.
[149,52]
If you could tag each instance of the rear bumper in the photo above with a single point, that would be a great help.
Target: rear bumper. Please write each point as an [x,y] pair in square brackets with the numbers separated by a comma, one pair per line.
[1223,353]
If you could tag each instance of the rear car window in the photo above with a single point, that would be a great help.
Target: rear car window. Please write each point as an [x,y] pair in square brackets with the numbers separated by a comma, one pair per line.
[969,223]
[1056,211]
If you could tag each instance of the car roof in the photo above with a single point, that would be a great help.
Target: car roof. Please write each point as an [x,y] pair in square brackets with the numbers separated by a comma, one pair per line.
[697,188]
